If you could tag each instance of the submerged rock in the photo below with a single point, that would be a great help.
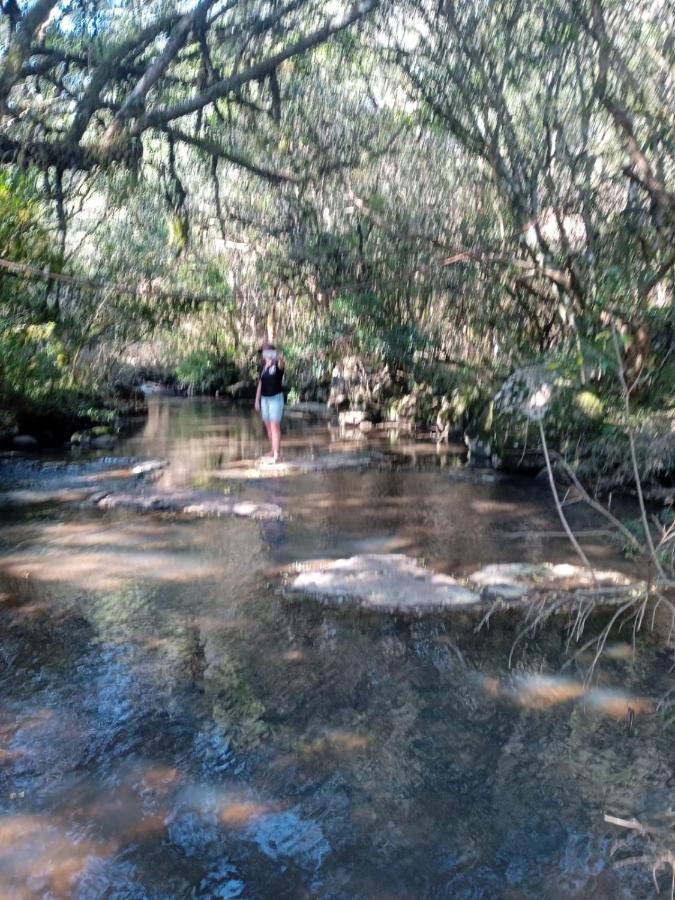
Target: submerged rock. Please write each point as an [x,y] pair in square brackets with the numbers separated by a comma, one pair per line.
[117,483]
[396,583]
[25,442]
[189,503]
[103,442]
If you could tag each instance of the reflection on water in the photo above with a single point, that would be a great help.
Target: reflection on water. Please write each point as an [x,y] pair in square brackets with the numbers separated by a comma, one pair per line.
[171,727]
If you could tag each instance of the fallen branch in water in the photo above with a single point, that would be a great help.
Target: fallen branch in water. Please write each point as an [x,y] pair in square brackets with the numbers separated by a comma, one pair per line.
[660,858]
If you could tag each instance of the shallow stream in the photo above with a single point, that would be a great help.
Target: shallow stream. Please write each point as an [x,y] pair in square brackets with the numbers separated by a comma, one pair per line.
[172,726]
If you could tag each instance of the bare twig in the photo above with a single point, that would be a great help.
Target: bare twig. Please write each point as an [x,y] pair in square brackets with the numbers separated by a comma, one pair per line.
[598,507]
[561,514]
[633,456]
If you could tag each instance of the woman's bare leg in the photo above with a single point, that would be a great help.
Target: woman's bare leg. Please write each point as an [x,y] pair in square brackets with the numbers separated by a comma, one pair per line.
[268,429]
[276,439]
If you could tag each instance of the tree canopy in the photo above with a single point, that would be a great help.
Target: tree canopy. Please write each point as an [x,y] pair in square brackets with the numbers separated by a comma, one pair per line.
[472,181]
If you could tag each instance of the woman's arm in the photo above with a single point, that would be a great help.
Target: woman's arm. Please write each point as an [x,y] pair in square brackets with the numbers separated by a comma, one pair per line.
[257,395]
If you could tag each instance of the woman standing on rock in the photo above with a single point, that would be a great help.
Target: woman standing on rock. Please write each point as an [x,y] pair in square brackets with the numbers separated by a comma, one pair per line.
[269,398]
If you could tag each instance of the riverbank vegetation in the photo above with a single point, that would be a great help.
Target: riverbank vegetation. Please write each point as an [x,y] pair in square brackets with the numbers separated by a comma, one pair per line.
[445,213]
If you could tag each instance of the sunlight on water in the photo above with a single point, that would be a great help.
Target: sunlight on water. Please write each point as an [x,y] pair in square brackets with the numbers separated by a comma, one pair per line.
[172,727]
[541,692]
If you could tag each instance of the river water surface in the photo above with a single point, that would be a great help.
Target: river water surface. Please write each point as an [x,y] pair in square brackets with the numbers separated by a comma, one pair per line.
[172,726]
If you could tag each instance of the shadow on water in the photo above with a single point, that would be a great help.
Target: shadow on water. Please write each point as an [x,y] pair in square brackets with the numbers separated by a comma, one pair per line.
[172,727]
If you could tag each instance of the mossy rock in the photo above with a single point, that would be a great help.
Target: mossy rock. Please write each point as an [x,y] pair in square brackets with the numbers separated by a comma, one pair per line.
[465,395]
[420,405]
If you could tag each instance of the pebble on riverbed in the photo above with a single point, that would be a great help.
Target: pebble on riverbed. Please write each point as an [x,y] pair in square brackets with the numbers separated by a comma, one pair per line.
[396,583]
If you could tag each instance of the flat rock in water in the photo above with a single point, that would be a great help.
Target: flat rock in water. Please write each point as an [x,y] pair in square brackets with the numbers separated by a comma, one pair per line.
[149,465]
[327,462]
[515,581]
[396,583]
[390,582]
[39,496]
[33,484]
[189,503]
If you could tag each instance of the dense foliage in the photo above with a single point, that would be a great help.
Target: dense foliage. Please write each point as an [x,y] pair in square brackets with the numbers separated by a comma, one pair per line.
[415,183]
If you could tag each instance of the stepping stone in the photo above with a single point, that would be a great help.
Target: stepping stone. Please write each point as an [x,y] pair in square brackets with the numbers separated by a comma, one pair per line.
[189,503]
[514,581]
[67,482]
[389,582]
[327,462]
[396,583]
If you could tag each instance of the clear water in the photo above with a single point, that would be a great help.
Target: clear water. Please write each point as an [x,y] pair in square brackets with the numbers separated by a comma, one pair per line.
[171,726]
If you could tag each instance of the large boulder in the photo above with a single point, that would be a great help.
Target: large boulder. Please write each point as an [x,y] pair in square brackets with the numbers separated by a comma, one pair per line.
[419,405]
[464,410]
[534,395]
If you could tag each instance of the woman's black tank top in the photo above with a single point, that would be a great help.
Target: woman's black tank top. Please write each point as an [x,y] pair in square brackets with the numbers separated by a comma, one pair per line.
[271,379]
